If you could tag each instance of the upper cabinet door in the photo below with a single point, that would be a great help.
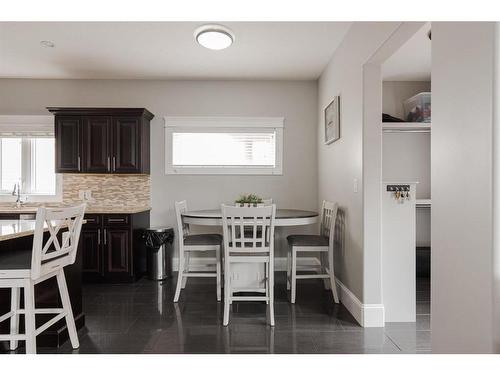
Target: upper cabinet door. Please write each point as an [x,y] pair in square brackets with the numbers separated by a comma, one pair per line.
[126,155]
[68,131]
[96,144]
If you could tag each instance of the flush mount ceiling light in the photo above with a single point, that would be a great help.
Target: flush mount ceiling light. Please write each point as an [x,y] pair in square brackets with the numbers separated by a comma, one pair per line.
[47,43]
[214,37]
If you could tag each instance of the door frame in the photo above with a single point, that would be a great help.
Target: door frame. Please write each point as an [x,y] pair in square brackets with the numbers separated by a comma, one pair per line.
[372,171]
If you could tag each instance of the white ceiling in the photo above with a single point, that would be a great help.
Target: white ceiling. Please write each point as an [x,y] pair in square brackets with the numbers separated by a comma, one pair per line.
[412,62]
[166,50]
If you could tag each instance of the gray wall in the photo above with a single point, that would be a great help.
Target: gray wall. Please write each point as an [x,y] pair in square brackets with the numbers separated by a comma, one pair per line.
[407,157]
[496,189]
[295,100]
[462,198]
[341,162]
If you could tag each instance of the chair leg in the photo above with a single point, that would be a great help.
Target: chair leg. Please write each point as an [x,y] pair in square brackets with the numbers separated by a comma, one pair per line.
[29,316]
[186,267]
[271,292]
[66,302]
[227,292]
[326,282]
[294,276]
[178,286]
[288,265]
[266,278]
[219,273]
[331,269]
[14,321]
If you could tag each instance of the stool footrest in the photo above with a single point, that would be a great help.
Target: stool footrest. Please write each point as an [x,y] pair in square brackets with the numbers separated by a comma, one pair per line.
[55,319]
[249,298]
[16,337]
[199,274]
[6,316]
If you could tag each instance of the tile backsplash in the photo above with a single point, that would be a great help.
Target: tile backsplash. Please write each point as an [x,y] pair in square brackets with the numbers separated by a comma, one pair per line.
[108,190]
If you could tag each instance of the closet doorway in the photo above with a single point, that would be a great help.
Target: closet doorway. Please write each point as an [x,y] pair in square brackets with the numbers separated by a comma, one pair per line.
[406,161]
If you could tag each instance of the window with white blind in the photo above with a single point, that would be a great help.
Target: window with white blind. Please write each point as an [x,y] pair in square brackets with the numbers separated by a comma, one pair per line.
[27,158]
[224,145]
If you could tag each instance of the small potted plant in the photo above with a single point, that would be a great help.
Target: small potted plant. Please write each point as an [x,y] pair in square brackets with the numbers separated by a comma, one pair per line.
[248,200]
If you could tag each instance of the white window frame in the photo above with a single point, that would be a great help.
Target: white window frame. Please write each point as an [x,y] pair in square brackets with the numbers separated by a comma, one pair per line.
[223,124]
[35,126]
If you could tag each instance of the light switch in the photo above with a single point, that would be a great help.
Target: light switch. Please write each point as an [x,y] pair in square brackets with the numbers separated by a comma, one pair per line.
[355,185]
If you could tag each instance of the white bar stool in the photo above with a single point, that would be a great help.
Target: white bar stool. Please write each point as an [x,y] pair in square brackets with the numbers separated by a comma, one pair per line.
[25,269]
[248,238]
[189,243]
[323,244]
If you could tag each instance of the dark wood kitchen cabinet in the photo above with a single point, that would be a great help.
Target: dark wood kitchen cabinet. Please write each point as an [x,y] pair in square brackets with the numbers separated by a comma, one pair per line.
[102,140]
[96,142]
[68,134]
[112,248]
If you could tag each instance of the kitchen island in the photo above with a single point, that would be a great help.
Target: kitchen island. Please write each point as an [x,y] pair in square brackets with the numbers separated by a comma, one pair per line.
[16,236]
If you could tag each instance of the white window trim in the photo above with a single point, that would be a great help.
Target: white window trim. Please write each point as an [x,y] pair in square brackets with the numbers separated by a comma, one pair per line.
[36,125]
[38,198]
[219,124]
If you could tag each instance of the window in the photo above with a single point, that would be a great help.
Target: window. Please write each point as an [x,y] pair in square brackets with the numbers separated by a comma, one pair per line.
[27,155]
[224,145]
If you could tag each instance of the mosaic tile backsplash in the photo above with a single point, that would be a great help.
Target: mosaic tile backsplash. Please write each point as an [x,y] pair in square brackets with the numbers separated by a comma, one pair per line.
[108,190]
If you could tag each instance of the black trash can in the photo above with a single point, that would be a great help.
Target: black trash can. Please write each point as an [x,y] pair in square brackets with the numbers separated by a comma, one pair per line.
[159,257]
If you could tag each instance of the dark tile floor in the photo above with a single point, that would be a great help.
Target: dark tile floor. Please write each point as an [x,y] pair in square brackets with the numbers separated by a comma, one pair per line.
[141,318]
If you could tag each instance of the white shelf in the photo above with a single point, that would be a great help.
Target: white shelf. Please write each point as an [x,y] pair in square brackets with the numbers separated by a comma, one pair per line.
[406,126]
[423,203]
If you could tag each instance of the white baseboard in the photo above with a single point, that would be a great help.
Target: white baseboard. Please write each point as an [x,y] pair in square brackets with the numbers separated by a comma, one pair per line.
[367,315]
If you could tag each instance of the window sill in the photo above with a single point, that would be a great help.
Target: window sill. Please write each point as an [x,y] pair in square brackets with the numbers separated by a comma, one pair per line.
[34,198]
[223,171]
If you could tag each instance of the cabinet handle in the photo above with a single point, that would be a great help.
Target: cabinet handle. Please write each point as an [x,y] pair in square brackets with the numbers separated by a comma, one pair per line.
[114,164]
[116,220]
[79,164]
[98,236]
[109,164]
[105,237]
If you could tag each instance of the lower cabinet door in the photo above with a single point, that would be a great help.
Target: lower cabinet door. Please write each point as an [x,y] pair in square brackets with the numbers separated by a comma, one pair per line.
[118,244]
[92,256]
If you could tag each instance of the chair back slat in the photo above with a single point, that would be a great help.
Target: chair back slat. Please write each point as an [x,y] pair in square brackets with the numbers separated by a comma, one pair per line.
[328,218]
[248,229]
[63,226]
[182,227]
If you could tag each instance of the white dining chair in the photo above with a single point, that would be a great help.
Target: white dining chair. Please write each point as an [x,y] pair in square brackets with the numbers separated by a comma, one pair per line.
[196,243]
[26,268]
[323,244]
[248,238]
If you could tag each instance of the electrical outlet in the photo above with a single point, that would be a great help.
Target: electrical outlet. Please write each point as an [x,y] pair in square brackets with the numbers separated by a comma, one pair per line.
[88,195]
[81,194]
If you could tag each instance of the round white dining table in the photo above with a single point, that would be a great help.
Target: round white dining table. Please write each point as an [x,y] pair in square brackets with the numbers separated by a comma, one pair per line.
[285,217]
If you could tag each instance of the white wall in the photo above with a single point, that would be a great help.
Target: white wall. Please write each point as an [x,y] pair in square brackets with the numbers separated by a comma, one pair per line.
[294,100]
[462,156]
[341,162]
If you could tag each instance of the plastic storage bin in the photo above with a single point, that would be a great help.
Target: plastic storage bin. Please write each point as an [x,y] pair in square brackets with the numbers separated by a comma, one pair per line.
[418,108]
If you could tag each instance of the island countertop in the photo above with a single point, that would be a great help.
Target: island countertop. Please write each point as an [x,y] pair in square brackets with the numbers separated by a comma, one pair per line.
[10,229]
[89,210]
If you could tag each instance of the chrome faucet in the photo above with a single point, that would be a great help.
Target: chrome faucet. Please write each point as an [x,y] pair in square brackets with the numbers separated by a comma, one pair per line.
[17,193]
